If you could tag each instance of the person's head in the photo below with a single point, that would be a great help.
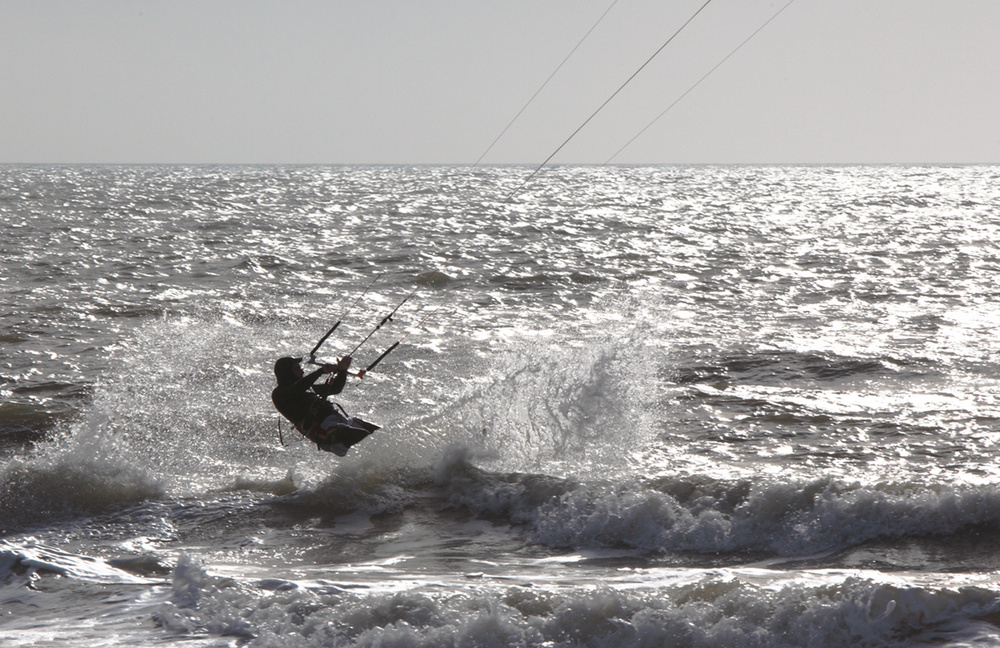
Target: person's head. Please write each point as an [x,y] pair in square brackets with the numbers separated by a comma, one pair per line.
[287,370]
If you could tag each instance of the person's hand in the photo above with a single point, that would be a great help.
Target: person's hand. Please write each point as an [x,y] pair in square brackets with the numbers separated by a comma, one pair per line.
[344,364]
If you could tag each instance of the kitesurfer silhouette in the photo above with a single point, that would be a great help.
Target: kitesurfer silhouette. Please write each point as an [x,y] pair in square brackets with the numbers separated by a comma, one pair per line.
[304,404]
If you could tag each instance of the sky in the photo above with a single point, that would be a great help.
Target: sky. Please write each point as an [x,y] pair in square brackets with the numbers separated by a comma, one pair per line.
[436,81]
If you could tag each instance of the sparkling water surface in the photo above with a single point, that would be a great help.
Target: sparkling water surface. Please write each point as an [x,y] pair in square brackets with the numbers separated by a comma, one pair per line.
[632,406]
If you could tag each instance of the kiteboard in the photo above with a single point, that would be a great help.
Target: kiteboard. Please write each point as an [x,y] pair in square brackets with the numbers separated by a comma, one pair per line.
[340,438]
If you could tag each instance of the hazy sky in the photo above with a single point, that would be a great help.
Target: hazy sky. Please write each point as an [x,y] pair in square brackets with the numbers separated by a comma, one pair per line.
[435,81]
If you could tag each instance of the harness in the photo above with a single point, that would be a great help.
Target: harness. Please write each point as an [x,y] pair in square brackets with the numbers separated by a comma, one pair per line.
[312,425]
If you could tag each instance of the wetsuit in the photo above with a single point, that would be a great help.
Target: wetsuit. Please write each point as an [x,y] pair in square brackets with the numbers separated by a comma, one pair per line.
[304,404]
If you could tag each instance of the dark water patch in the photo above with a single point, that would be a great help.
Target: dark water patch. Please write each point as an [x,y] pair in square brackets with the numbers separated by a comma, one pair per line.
[52,388]
[969,549]
[584,278]
[267,262]
[790,367]
[434,278]
[24,423]
[523,283]
[144,565]
[128,311]
[20,428]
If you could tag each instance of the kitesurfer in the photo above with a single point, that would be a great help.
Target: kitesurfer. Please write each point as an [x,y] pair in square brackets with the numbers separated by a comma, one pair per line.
[304,404]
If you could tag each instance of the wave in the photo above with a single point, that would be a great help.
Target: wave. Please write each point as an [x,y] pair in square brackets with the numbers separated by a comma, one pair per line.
[703,515]
[679,519]
[19,563]
[683,519]
[42,492]
[732,609]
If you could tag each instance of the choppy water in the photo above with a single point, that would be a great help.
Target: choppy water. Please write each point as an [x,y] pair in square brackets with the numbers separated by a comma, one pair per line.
[671,406]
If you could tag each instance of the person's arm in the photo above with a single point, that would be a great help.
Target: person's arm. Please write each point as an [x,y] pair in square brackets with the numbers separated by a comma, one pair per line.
[336,384]
[305,382]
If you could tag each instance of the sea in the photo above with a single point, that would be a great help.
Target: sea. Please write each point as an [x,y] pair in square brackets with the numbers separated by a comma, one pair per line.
[628,406]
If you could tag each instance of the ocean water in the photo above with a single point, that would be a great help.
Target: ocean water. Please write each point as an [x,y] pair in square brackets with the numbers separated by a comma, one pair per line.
[632,406]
